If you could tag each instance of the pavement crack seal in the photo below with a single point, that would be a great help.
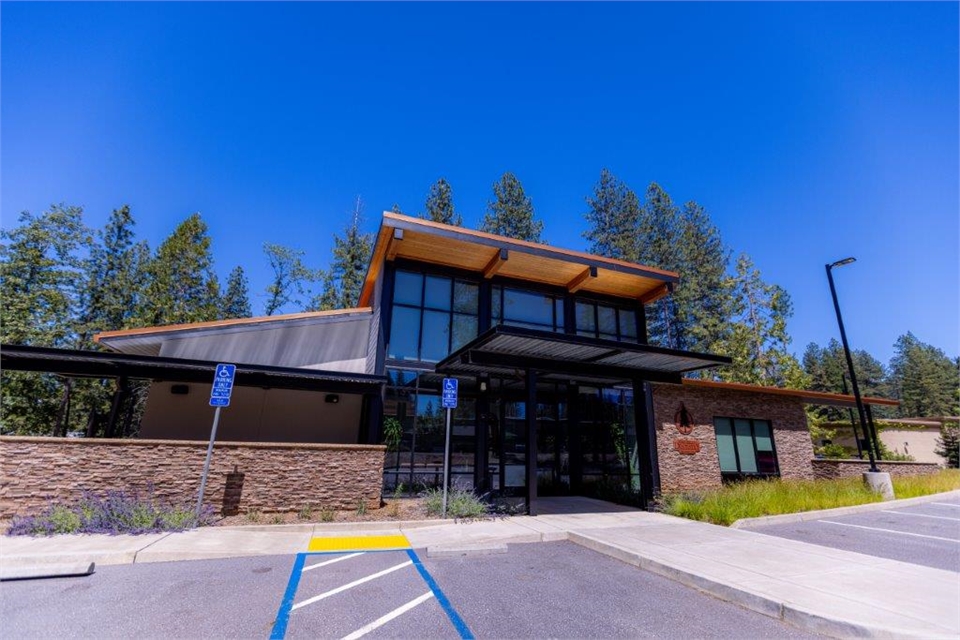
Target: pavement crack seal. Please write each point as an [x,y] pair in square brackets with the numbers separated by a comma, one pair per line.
[137,553]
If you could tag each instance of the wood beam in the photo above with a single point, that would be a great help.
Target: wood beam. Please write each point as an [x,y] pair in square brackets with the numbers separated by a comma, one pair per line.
[657,293]
[577,283]
[394,244]
[495,263]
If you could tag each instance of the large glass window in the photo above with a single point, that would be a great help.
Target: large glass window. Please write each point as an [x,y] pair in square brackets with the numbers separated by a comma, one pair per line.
[414,431]
[745,447]
[599,320]
[529,309]
[432,316]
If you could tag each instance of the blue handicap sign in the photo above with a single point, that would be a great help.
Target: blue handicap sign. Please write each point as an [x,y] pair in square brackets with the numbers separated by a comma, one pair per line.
[450,388]
[222,385]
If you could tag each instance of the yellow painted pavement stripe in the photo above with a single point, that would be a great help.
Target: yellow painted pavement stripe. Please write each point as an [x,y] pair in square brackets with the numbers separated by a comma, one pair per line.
[359,543]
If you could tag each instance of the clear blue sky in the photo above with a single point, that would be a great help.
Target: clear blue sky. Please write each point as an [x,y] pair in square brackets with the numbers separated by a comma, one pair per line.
[809,131]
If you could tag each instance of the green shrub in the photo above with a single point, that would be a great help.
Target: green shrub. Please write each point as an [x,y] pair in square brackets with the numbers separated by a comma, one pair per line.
[460,503]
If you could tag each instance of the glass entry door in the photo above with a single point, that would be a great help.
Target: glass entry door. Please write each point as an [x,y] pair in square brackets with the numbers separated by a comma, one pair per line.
[507,442]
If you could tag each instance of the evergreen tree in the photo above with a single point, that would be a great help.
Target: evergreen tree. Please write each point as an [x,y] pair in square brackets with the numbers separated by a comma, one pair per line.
[290,277]
[923,378]
[396,209]
[40,277]
[948,444]
[696,317]
[613,217]
[658,244]
[114,278]
[342,283]
[440,204]
[758,338]
[510,214]
[182,286]
[236,300]
[826,367]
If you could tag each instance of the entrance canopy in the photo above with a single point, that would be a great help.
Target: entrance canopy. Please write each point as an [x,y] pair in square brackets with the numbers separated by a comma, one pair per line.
[506,350]
[95,364]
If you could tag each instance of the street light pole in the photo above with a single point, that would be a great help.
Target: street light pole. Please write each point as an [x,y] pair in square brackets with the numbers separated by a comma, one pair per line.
[846,351]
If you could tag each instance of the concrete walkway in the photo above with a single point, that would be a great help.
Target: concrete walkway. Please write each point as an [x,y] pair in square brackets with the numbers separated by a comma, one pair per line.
[837,593]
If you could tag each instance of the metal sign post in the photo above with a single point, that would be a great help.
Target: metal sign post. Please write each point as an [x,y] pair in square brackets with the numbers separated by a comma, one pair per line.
[219,398]
[450,388]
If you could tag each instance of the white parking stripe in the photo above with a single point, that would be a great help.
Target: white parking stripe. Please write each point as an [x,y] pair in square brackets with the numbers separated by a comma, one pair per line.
[353,584]
[920,515]
[946,504]
[903,533]
[379,622]
[323,564]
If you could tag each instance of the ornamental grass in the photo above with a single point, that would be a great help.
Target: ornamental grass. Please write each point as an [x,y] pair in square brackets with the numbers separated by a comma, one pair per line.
[755,498]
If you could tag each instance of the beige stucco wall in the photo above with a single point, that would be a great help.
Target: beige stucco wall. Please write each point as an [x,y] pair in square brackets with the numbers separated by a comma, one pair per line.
[684,472]
[243,476]
[919,443]
[254,415]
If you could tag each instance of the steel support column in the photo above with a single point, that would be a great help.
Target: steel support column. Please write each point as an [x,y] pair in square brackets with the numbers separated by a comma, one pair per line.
[647,440]
[531,420]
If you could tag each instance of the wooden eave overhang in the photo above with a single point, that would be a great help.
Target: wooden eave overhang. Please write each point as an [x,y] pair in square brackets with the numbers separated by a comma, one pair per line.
[808,397]
[490,255]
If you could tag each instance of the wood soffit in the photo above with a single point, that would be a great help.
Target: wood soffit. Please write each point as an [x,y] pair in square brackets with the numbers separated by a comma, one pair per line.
[489,255]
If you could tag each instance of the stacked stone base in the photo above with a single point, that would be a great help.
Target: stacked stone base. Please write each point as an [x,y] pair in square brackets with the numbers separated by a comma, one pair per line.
[828,469]
[244,476]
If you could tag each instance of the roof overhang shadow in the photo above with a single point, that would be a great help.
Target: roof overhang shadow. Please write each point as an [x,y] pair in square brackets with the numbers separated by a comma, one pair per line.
[95,364]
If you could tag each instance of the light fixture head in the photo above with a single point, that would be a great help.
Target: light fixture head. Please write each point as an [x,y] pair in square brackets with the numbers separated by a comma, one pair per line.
[840,263]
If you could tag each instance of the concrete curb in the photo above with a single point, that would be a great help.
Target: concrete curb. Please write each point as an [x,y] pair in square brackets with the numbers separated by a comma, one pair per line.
[803,516]
[765,605]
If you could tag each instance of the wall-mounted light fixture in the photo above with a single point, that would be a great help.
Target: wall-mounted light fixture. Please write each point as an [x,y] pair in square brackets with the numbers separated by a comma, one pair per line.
[332,398]
[179,389]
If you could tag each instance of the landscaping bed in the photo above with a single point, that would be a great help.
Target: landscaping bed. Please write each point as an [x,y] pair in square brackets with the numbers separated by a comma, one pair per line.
[755,498]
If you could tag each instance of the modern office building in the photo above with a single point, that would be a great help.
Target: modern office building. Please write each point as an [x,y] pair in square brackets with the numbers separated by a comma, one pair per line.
[559,390]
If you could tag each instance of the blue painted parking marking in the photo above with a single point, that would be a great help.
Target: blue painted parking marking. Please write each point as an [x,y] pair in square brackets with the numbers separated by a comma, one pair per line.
[287,606]
[455,618]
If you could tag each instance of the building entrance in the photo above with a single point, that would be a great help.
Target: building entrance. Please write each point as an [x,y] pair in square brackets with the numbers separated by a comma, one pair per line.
[586,444]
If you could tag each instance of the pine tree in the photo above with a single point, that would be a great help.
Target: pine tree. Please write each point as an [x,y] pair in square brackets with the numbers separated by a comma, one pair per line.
[343,281]
[236,300]
[758,338]
[826,368]
[290,278]
[510,214]
[923,378]
[440,204]
[182,286]
[658,241]
[613,217]
[40,279]
[114,278]
[948,444]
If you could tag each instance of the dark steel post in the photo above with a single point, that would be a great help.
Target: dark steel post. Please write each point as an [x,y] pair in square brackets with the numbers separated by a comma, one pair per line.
[873,432]
[853,425]
[853,374]
[531,419]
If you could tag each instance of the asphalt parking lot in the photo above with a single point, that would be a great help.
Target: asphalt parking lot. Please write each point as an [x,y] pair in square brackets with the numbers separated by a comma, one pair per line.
[535,590]
[927,534]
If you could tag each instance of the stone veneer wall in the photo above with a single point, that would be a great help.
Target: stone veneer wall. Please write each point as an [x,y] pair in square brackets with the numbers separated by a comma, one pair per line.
[244,476]
[829,469]
[684,472]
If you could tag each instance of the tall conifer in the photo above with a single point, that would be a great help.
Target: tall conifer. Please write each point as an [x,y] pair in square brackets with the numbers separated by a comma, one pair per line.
[236,298]
[182,286]
[510,214]
[439,204]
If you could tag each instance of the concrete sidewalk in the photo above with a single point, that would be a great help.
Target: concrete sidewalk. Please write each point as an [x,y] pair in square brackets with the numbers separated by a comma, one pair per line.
[837,593]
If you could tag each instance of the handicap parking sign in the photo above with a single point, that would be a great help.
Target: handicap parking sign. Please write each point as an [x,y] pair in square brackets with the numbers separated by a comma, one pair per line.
[222,385]
[450,388]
